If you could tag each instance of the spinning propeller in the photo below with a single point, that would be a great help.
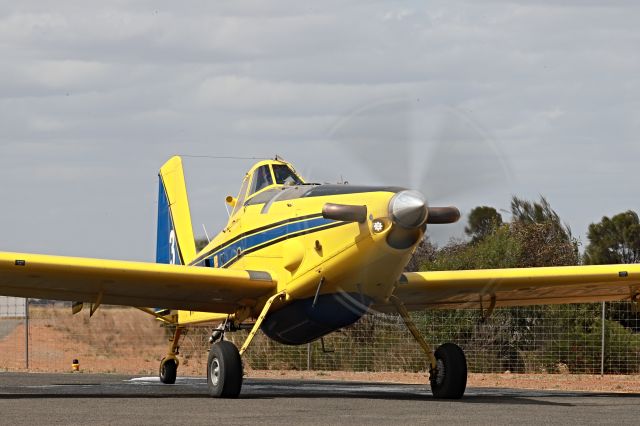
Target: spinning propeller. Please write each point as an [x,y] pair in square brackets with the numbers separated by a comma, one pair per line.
[438,151]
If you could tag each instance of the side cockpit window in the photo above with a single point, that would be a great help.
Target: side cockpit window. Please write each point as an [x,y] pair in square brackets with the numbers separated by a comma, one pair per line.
[261,179]
[285,176]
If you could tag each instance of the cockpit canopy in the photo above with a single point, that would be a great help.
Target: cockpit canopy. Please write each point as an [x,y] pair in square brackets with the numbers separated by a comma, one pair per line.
[266,175]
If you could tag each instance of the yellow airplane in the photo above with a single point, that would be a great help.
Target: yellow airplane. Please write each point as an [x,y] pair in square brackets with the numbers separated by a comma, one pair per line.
[300,260]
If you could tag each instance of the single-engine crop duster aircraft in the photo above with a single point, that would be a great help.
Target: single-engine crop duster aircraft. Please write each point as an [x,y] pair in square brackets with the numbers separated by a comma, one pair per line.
[299,260]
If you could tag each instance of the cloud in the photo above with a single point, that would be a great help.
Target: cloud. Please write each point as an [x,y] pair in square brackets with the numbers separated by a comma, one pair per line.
[94,97]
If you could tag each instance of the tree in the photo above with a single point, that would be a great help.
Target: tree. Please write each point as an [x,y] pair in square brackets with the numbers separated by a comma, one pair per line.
[201,243]
[513,245]
[482,221]
[614,240]
[425,252]
[538,212]
[542,244]
[535,237]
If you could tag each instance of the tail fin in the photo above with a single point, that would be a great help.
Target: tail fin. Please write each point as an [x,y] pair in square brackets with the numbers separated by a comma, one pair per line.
[175,242]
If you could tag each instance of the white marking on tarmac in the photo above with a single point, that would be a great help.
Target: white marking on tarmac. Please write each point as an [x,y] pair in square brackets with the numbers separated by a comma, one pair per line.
[155,379]
[144,379]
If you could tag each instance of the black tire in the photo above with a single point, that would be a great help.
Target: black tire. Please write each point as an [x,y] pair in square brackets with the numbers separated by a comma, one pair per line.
[168,371]
[224,370]
[450,378]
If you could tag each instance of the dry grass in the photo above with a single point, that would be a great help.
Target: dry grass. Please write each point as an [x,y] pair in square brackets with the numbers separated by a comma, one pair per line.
[114,340]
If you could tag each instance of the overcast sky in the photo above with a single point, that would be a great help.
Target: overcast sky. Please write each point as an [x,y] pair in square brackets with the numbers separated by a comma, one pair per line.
[468,101]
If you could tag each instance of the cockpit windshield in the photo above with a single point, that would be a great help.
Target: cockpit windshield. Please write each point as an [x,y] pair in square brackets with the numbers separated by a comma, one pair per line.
[285,176]
[261,179]
[266,182]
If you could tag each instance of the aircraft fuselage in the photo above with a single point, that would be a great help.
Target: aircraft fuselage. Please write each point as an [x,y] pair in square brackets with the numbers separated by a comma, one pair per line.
[332,270]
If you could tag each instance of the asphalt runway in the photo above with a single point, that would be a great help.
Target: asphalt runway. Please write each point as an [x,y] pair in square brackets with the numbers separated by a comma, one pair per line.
[111,399]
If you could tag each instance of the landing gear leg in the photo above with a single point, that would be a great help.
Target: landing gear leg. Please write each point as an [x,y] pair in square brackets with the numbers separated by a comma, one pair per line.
[224,366]
[169,364]
[448,374]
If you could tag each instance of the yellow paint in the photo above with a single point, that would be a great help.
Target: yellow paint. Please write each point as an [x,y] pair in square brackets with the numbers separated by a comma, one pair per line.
[519,286]
[293,254]
[194,317]
[128,283]
[351,257]
[172,176]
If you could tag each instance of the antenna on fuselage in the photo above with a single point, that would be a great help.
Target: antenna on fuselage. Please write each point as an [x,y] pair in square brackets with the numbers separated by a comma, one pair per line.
[206,234]
[343,181]
[279,158]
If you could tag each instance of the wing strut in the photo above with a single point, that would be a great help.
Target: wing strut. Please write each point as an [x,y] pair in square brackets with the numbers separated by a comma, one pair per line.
[448,372]
[258,323]
[408,321]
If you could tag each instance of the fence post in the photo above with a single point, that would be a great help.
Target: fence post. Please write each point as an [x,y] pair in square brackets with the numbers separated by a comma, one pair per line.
[26,333]
[602,344]
[308,356]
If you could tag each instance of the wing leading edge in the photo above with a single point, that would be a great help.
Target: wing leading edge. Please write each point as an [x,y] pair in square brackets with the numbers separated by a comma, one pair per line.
[131,283]
[518,286]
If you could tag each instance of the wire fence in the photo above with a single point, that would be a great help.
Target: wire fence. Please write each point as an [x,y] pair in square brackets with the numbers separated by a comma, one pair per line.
[540,339]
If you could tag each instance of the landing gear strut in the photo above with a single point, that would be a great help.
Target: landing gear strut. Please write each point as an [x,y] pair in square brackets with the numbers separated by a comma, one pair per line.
[224,366]
[448,364]
[169,364]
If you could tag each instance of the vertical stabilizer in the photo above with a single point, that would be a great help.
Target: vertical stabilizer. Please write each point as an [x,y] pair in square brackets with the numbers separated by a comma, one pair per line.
[175,241]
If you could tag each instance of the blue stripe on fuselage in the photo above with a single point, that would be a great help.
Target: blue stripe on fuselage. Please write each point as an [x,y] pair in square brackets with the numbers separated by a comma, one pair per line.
[230,252]
[164,229]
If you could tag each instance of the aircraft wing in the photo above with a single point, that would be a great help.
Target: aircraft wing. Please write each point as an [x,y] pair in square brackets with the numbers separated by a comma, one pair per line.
[131,283]
[518,286]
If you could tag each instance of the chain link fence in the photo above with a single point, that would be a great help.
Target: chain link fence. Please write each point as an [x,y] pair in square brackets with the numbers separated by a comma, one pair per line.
[539,339]
[13,331]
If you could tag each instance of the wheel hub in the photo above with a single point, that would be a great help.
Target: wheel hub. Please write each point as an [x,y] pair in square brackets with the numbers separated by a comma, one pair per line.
[215,372]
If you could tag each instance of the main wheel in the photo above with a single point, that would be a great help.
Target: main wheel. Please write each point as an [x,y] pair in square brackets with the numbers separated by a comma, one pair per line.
[224,370]
[168,371]
[449,380]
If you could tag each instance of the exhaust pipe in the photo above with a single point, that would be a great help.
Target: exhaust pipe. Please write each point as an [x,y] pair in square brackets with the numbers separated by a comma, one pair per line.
[345,212]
